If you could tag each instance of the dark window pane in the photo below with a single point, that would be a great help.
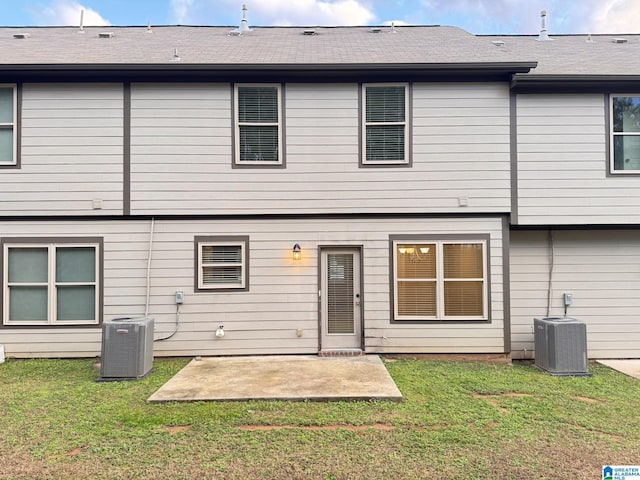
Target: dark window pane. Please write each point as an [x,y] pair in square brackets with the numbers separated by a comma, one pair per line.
[6,145]
[258,104]
[340,307]
[28,304]
[626,114]
[222,275]
[385,104]
[76,303]
[417,299]
[28,265]
[626,152]
[463,299]
[385,143]
[416,261]
[462,260]
[6,105]
[221,254]
[258,144]
[76,264]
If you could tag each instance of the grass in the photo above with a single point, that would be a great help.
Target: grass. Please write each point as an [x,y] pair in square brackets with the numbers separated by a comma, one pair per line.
[458,421]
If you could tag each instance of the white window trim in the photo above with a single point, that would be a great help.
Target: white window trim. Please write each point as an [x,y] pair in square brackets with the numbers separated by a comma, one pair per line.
[440,280]
[4,125]
[613,134]
[52,284]
[365,124]
[242,264]
[239,124]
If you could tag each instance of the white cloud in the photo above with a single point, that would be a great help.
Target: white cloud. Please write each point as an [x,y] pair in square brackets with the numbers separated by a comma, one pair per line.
[516,16]
[67,12]
[310,12]
[616,16]
[273,12]
[182,10]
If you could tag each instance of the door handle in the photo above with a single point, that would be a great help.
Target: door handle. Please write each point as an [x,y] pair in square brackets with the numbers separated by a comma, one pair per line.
[357,299]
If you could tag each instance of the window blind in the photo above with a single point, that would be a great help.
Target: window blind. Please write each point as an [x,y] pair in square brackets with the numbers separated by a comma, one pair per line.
[221,264]
[340,308]
[6,125]
[258,123]
[385,123]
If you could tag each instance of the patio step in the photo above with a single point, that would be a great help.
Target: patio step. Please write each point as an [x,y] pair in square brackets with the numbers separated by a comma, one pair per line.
[341,353]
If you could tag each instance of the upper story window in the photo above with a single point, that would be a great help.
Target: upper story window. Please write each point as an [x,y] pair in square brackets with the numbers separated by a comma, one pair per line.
[258,129]
[8,108]
[625,133]
[222,263]
[440,280]
[49,284]
[385,126]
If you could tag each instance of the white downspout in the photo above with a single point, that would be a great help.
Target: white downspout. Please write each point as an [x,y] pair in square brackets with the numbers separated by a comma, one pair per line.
[552,261]
[151,231]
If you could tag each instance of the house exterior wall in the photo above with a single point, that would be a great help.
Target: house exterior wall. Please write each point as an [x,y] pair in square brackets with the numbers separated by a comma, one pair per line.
[181,153]
[563,166]
[72,152]
[602,271]
[283,294]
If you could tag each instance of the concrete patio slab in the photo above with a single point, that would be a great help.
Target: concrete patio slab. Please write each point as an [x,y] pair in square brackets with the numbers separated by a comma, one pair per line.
[280,378]
[628,367]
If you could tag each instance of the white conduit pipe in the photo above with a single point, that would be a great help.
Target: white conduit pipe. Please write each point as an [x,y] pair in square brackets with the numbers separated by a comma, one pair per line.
[151,231]
[552,261]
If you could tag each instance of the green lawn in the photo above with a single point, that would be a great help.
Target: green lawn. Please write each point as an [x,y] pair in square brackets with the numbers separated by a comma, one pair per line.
[458,420]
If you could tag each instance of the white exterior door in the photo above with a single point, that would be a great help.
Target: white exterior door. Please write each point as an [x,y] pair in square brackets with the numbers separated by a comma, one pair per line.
[340,299]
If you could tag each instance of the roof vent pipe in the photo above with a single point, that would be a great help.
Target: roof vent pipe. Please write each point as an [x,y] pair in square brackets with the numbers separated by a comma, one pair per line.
[544,36]
[244,25]
[81,22]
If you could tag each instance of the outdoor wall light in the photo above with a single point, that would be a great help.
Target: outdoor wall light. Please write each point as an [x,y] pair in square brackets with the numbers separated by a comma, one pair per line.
[297,253]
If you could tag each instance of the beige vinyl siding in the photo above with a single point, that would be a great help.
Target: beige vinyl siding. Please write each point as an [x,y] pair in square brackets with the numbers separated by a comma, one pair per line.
[72,152]
[563,165]
[601,269]
[283,294]
[182,153]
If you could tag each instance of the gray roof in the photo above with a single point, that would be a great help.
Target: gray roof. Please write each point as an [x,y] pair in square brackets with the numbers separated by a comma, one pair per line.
[418,45]
[575,54]
[264,45]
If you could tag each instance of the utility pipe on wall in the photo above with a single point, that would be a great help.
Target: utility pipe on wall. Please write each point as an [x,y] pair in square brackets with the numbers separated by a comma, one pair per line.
[151,232]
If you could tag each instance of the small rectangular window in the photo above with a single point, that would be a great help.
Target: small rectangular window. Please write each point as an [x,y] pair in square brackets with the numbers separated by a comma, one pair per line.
[222,263]
[258,125]
[440,280]
[51,284]
[385,124]
[8,107]
[625,133]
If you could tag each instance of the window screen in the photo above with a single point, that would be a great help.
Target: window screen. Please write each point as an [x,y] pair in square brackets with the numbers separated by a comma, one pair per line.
[258,124]
[385,124]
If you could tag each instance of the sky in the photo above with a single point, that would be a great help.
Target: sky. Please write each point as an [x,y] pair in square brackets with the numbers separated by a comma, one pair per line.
[475,16]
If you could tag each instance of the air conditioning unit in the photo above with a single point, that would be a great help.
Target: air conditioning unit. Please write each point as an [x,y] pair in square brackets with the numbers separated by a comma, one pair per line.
[561,345]
[127,348]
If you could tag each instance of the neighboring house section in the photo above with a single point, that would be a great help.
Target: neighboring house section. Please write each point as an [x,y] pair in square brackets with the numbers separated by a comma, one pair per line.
[602,271]
[348,189]
[70,160]
[575,191]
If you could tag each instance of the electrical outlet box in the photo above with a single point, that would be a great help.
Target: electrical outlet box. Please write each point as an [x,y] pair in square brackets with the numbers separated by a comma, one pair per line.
[179,296]
[568,299]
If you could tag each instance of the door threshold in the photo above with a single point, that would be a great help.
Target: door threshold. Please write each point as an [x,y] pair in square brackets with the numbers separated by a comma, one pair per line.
[353,352]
